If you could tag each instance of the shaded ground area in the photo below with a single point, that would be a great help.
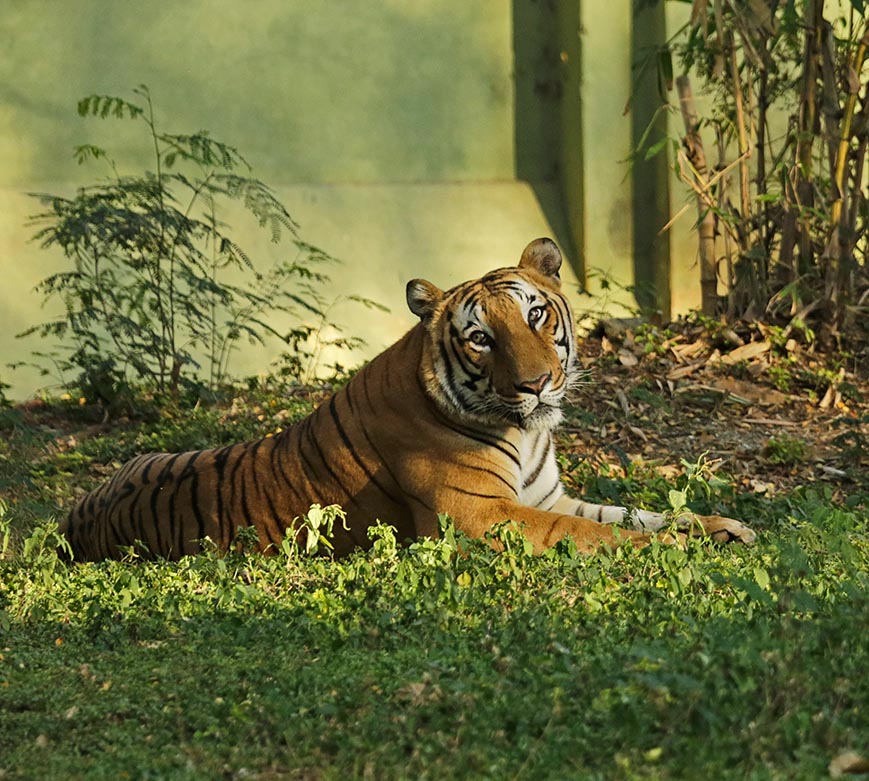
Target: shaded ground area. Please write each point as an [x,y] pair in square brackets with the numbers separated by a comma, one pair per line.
[774,411]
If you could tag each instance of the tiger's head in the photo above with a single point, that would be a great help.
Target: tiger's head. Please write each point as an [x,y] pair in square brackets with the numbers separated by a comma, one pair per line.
[500,349]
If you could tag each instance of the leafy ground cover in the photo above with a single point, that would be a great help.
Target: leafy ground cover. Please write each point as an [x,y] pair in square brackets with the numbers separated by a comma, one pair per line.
[446,659]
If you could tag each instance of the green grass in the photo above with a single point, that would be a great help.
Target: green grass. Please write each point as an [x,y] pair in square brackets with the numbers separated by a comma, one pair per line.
[442,660]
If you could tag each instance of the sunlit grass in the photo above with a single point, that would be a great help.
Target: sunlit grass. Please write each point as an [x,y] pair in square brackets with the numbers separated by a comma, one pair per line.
[441,660]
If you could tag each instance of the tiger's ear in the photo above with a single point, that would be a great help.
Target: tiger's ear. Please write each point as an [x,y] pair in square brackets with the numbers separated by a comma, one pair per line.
[543,256]
[423,297]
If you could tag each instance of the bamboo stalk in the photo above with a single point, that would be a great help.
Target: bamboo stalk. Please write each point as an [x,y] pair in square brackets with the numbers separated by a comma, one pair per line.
[840,245]
[856,66]
[695,153]
[718,11]
[722,204]
[830,109]
[741,135]
[862,151]
[766,227]
[807,129]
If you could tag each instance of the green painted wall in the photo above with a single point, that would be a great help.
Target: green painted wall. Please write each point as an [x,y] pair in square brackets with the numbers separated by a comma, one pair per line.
[429,138]
[314,90]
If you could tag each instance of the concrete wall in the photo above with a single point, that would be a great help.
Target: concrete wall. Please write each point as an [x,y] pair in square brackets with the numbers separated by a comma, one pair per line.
[409,139]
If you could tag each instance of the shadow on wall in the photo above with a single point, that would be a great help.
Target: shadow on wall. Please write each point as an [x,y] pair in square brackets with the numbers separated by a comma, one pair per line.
[540,73]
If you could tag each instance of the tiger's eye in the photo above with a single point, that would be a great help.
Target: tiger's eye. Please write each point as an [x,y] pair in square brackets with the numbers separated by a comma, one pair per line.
[534,314]
[480,338]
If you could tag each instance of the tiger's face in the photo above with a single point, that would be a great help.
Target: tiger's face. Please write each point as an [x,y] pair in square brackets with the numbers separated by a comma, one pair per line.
[502,348]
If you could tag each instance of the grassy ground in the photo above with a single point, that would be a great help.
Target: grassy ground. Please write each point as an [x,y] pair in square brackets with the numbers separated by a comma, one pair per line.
[442,660]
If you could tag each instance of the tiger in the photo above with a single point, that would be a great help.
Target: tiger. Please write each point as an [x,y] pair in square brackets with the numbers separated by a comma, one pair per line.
[457,417]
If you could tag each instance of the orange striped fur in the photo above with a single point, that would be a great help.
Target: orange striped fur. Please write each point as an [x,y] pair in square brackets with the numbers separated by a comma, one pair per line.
[456,417]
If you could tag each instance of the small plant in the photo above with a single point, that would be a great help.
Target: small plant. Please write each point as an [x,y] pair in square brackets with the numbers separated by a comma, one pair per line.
[699,478]
[786,450]
[384,544]
[41,548]
[307,343]
[153,295]
[317,528]
[781,377]
[653,339]
[246,540]
[612,299]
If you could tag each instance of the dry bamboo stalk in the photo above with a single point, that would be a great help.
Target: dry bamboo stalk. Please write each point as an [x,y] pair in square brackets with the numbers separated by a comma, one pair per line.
[837,249]
[741,135]
[722,203]
[862,152]
[693,145]
[856,66]
[702,189]
[766,229]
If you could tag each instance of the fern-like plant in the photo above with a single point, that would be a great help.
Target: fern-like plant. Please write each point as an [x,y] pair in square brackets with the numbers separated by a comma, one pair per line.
[147,299]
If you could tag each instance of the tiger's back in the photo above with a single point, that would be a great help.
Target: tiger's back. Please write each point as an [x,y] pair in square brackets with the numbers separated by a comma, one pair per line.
[170,502]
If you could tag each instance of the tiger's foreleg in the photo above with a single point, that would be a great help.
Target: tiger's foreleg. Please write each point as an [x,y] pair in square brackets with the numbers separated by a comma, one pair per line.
[717,527]
[642,520]
[542,529]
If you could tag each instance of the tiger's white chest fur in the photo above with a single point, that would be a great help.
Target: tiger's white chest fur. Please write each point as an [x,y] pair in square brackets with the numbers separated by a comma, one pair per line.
[539,484]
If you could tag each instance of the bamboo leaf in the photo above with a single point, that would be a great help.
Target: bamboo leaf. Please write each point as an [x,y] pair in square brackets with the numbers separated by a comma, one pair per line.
[656,148]
[665,68]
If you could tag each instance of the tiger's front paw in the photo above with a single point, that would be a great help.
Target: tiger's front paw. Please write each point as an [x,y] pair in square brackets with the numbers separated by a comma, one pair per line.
[721,529]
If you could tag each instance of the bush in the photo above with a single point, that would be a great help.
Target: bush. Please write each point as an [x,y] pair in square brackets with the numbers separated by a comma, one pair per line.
[147,300]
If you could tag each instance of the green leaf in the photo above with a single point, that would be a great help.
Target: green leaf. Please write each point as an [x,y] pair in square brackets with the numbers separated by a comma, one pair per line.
[761,577]
[103,105]
[665,68]
[86,151]
[656,148]
[678,499]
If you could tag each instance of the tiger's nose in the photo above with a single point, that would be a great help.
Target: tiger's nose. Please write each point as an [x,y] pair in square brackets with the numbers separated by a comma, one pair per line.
[534,386]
